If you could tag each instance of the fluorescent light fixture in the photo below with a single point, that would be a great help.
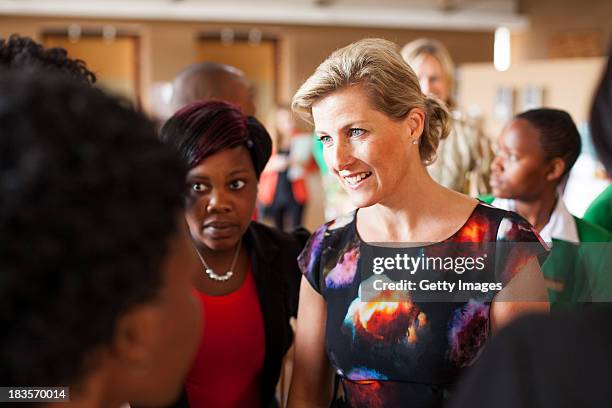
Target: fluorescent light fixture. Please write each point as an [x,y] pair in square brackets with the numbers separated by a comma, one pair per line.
[501,49]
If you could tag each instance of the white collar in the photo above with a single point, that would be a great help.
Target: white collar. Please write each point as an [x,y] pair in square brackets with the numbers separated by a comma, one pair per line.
[561,224]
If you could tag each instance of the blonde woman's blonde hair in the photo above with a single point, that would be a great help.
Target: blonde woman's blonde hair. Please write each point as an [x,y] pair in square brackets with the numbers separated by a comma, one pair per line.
[415,50]
[390,84]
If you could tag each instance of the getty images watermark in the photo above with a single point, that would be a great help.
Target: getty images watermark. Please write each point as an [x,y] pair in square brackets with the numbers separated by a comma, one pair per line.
[411,265]
[444,272]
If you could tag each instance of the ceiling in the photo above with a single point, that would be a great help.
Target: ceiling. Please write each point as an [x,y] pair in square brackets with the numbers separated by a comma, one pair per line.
[473,15]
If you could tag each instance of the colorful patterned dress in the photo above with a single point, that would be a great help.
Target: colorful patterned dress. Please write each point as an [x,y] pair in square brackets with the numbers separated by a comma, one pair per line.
[408,353]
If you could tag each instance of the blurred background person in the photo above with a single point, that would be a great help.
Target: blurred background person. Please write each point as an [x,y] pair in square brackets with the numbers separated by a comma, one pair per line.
[283,191]
[249,278]
[534,155]
[463,158]
[211,80]
[19,53]
[95,291]
[600,210]
[561,360]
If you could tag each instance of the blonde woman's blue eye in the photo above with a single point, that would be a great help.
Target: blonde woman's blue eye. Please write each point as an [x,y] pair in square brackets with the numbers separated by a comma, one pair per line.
[237,185]
[325,139]
[356,132]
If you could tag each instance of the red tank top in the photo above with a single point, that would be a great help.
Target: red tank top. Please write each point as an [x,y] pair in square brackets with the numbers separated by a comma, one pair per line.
[227,368]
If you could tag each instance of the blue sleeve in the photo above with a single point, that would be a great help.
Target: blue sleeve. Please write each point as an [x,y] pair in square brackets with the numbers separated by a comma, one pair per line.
[309,259]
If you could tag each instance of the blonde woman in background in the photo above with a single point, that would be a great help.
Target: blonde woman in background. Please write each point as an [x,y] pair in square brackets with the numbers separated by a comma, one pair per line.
[379,131]
[464,158]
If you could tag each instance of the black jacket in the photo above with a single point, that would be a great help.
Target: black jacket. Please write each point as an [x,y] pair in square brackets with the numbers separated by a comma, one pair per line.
[562,360]
[273,257]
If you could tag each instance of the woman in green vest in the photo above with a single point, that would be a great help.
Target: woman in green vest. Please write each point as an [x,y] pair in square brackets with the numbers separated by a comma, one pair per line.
[536,151]
[600,211]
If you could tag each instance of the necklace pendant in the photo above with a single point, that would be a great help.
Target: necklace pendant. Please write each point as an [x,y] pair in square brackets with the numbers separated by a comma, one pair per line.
[219,278]
[227,275]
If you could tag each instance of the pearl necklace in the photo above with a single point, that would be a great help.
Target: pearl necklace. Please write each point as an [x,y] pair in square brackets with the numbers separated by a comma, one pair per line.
[227,275]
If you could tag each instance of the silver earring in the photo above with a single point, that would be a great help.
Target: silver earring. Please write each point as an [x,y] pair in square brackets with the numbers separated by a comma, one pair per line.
[415,141]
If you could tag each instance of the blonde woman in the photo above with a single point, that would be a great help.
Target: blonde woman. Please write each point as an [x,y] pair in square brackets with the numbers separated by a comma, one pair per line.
[464,157]
[379,132]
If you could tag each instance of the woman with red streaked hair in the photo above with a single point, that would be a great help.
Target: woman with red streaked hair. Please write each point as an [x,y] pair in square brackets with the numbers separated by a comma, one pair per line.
[249,279]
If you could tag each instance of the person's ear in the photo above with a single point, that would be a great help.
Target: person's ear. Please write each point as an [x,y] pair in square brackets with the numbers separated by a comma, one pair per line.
[136,334]
[416,122]
[556,169]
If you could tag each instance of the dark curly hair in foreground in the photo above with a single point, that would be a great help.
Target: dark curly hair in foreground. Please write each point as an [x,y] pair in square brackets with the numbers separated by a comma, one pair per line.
[19,53]
[89,199]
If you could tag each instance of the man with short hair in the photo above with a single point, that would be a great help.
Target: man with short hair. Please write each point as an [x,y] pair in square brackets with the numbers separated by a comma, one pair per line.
[211,80]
